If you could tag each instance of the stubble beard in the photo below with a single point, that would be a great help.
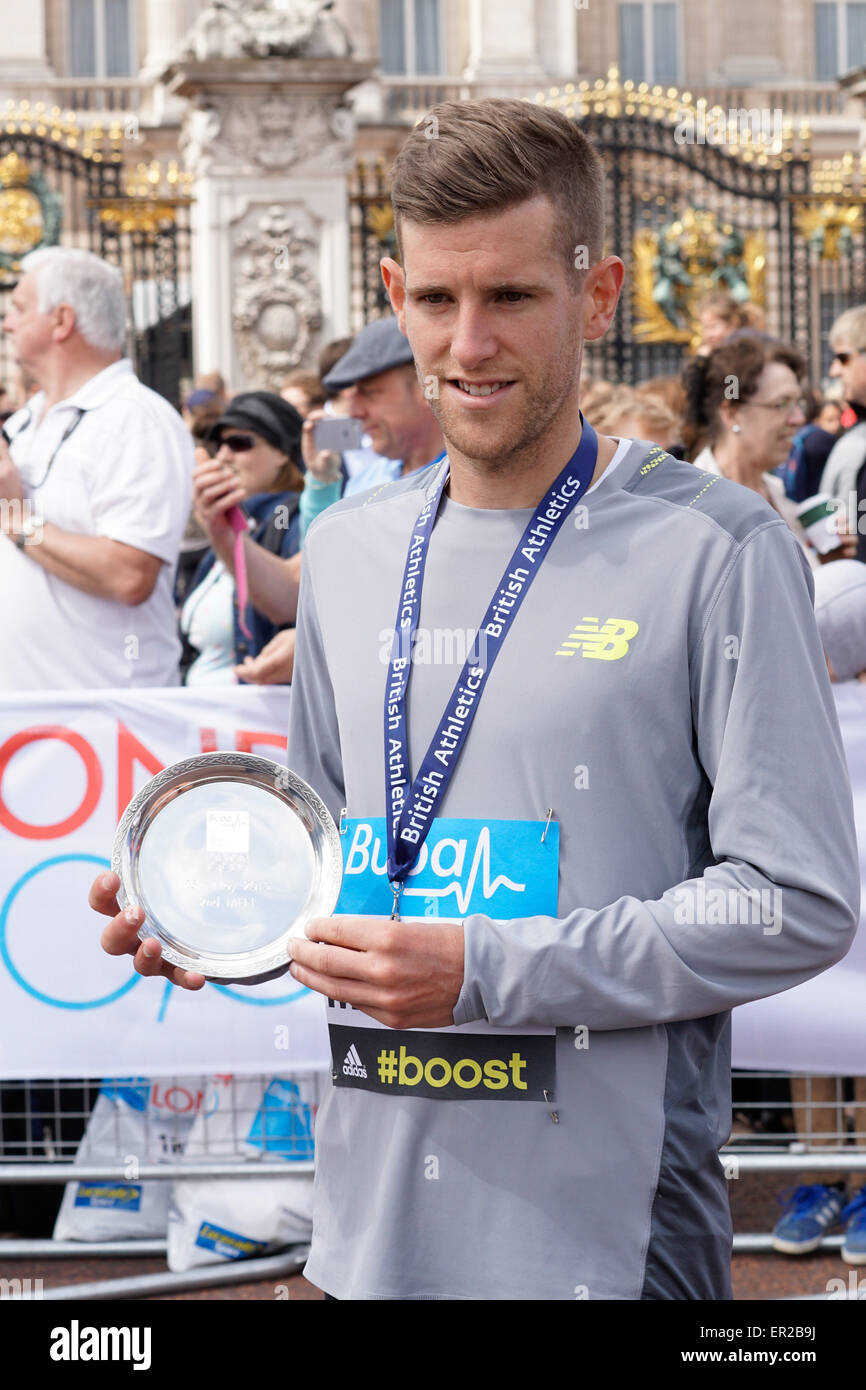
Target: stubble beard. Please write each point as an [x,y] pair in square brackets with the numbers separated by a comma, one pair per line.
[520,447]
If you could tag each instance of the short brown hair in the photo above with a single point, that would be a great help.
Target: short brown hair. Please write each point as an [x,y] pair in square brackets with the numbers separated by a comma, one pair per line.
[308,382]
[289,479]
[329,357]
[203,418]
[211,381]
[480,157]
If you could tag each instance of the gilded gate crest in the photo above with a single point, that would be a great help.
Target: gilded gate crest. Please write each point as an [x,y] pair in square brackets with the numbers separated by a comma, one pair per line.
[30,213]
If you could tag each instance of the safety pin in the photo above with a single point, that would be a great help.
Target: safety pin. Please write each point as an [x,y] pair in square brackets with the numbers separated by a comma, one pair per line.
[553,1114]
[546,825]
[343,818]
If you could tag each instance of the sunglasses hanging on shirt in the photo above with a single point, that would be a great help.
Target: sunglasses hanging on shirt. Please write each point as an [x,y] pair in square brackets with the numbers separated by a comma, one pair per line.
[73,424]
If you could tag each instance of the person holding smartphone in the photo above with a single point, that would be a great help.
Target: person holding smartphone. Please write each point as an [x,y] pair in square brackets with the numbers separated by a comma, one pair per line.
[386,403]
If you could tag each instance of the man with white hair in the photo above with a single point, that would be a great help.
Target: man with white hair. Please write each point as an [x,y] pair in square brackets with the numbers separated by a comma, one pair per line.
[844,476]
[95,483]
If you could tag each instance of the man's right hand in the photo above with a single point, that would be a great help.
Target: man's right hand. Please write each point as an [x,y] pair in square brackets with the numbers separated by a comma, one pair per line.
[322,464]
[121,938]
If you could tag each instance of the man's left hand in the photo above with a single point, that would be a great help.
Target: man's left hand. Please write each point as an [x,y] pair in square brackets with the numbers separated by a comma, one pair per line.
[11,491]
[404,974]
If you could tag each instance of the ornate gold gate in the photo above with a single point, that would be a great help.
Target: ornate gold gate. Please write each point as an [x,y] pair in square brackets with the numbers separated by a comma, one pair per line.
[61,182]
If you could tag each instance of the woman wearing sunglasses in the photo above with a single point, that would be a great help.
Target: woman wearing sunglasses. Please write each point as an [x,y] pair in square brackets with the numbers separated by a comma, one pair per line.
[255,470]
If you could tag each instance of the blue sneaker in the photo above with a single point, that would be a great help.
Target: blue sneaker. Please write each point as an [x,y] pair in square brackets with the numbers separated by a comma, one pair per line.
[810,1213]
[854,1246]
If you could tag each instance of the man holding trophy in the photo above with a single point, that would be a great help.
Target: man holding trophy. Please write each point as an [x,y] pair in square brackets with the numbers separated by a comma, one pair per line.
[528,1004]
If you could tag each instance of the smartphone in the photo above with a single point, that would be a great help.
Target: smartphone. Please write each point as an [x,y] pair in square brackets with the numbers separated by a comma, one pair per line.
[338,434]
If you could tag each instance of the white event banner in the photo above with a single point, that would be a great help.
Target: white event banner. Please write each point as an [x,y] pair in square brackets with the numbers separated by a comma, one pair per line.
[69,763]
[819,1027]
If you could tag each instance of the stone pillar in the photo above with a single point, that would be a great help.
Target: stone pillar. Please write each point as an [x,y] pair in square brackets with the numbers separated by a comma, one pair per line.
[166,24]
[270,141]
[503,41]
[23,53]
[558,31]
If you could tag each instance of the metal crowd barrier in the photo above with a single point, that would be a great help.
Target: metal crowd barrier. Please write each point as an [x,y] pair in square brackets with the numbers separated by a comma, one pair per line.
[782,1124]
[795,1126]
[787,1123]
[161,1130]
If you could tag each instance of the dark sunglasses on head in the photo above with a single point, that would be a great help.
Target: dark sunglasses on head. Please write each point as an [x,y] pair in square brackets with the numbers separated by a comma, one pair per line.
[238,443]
[845,357]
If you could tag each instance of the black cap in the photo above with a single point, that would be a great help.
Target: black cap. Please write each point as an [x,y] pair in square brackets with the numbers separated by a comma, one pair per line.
[377,348]
[266,414]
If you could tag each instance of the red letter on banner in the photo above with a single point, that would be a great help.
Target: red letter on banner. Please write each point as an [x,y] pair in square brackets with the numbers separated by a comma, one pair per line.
[91,796]
[131,750]
[246,740]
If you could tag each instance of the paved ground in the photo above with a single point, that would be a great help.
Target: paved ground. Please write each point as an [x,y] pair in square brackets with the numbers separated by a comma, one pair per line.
[753,1204]
[755,1210]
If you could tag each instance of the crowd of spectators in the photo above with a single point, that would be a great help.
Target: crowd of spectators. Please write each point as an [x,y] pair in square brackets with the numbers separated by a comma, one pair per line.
[155,501]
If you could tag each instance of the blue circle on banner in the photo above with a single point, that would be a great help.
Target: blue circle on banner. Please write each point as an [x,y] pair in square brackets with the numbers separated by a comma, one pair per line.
[4,948]
[260,1003]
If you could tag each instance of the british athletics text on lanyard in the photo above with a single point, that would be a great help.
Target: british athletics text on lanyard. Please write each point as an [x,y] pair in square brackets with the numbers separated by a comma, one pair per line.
[410,810]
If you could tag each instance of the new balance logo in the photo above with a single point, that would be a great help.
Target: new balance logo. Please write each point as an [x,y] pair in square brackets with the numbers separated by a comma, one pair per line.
[353,1066]
[608,641]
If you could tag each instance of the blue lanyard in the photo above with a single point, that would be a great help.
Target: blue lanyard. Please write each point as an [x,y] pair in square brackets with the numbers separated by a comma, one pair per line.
[411,807]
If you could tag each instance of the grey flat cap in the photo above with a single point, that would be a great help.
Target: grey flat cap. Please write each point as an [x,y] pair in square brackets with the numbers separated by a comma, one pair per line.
[377,348]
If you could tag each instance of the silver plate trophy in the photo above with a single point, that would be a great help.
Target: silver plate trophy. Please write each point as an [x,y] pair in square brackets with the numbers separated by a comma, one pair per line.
[229,855]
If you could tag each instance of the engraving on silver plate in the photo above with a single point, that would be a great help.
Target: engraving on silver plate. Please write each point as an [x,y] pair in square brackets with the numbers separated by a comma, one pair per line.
[227,913]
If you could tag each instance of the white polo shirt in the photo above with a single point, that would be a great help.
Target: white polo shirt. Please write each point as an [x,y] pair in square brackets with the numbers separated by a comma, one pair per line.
[124,472]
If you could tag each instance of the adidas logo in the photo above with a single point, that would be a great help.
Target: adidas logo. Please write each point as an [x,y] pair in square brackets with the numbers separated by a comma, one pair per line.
[353,1066]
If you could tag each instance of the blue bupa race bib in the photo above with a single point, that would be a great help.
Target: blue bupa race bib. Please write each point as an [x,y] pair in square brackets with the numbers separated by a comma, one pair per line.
[501,869]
